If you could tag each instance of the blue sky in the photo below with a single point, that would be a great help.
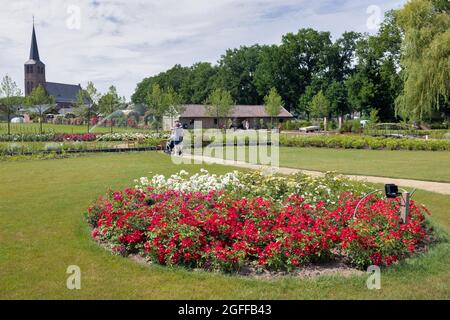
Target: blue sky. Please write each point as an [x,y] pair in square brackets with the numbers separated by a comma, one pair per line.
[120,42]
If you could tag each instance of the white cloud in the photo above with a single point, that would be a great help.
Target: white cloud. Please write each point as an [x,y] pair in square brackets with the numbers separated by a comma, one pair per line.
[121,42]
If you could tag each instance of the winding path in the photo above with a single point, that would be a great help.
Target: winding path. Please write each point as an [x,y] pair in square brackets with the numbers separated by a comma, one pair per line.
[438,187]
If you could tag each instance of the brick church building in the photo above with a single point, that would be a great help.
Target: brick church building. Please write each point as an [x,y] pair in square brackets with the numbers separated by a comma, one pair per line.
[65,95]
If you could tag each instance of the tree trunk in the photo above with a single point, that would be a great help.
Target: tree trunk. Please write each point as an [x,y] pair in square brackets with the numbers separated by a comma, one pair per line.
[9,120]
[325,124]
[40,123]
[88,119]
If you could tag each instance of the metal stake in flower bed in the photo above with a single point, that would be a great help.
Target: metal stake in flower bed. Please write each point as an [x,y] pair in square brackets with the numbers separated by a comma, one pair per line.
[391,192]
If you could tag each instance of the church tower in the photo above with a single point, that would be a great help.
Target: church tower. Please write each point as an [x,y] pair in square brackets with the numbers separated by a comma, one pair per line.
[34,68]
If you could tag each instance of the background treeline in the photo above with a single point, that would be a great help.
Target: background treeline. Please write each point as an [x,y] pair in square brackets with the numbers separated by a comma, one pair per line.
[355,73]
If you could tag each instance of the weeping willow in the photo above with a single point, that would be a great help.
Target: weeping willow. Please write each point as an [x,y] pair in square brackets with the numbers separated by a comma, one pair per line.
[425,59]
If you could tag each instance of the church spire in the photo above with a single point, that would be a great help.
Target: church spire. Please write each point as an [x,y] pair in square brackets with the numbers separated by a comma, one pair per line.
[34,51]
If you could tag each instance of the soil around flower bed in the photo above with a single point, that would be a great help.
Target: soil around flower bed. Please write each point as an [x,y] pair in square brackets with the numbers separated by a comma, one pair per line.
[336,267]
[328,268]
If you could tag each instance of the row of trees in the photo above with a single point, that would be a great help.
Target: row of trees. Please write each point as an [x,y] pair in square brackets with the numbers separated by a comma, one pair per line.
[403,70]
[11,100]
[89,102]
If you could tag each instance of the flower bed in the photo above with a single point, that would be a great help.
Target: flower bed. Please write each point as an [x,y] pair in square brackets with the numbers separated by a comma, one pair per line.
[54,137]
[76,137]
[47,137]
[27,137]
[176,222]
[133,136]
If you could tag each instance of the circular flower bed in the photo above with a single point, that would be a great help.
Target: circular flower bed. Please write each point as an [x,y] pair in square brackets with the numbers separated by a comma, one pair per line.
[169,223]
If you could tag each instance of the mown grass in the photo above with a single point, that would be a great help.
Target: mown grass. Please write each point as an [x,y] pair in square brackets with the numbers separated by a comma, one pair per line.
[42,232]
[33,128]
[418,165]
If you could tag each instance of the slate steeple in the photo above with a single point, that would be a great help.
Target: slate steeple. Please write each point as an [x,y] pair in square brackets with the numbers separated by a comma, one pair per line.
[34,51]
[34,68]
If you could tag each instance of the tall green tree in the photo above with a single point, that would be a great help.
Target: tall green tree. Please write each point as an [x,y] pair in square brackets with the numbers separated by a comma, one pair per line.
[425,58]
[184,80]
[320,107]
[220,105]
[93,99]
[336,93]
[10,98]
[273,103]
[156,103]
[291,66]
[236,74]
[173,104]
[201,81]
[82,105]
[109,103]
[376,81]
[38,102]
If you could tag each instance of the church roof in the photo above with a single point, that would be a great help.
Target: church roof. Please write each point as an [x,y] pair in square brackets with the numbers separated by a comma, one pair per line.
[62,92]
[34,50]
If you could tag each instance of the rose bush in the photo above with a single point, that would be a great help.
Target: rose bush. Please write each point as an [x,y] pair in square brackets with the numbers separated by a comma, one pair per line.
[133,136]
[76,137]
[277,188]
[218,230]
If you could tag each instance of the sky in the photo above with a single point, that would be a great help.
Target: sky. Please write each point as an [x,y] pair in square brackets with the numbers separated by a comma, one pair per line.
[120,42]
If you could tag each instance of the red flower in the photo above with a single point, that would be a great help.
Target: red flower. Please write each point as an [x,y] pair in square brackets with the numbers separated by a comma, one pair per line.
[197,229]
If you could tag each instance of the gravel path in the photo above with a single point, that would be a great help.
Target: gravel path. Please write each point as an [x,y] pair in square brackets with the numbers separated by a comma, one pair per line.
[438,187]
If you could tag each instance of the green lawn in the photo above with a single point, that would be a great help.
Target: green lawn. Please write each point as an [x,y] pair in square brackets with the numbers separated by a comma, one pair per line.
[418,165]
[42,232]
[33,128]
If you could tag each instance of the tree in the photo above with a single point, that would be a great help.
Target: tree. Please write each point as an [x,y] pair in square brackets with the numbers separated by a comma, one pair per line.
[87,102]
[236,74]
[273,104]
[341,57]
[109,103]
[39,102]
[336,93]
[156,103]
[306,98]
[373,118]
[425,58]
[11,98]
[291,66]
[82,105]
[184,80]
[200,82]
[320,107]
[94,98]
[360,90]
[219,104]
[375,82]
[172,102]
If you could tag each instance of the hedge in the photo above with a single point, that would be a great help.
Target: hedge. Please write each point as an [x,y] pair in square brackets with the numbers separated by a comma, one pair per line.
[363,142]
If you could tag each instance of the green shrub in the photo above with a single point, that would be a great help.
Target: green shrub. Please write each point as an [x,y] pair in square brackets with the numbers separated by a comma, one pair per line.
[376,144]
[356,126]
[393,144]
[363,142]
